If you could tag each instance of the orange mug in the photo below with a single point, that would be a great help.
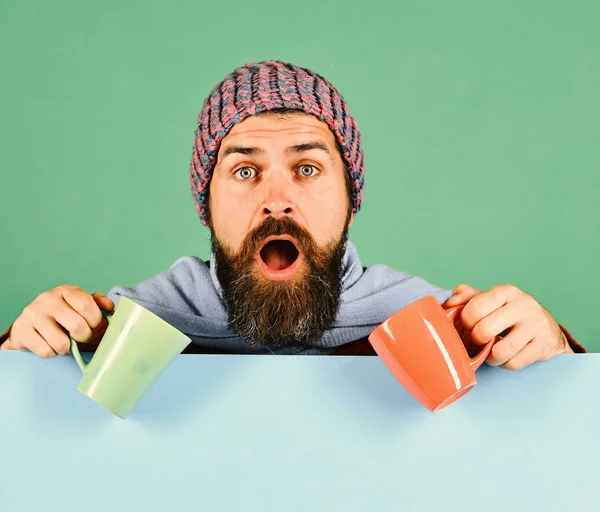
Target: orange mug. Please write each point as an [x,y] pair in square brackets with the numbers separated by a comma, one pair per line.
[422,348]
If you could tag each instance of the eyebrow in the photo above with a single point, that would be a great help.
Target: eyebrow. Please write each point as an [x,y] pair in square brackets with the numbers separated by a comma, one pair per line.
[231,150]
[309,146]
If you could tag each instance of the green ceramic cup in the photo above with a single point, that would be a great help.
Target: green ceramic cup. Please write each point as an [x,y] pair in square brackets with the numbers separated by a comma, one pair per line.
[135,349]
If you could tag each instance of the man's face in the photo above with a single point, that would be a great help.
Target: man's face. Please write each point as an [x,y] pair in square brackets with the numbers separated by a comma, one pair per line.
[279,213]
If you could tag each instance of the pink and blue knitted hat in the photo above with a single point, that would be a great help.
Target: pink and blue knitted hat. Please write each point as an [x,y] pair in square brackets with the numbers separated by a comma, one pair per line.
[259,87]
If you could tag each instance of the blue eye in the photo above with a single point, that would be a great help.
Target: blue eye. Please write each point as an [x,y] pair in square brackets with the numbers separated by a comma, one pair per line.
[245,173]
[308,170]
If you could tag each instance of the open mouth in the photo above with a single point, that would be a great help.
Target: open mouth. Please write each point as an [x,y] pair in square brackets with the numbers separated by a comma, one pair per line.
[279,257]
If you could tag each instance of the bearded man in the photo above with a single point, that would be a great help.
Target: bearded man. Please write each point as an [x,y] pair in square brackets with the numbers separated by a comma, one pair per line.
[277,175]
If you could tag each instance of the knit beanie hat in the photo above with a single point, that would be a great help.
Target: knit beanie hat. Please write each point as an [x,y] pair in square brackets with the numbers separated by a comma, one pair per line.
[259,87]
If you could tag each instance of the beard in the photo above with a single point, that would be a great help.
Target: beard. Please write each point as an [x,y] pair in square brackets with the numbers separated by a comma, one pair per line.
[292,312]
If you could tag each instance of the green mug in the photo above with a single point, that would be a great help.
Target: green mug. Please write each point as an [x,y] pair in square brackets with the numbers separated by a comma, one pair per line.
[134,351]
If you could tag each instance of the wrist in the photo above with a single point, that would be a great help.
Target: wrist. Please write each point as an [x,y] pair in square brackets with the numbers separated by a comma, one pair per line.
[566,345]
[4,337]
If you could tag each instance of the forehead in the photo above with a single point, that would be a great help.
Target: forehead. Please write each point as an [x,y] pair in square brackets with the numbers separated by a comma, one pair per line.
[284,129]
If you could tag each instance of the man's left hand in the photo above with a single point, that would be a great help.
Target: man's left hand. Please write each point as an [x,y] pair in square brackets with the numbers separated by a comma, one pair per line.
[529,332]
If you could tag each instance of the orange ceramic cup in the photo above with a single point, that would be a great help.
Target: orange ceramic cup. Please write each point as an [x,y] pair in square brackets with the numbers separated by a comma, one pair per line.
[422,348]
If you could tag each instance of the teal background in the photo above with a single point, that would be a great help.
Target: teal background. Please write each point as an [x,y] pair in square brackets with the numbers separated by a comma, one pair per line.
[479,123]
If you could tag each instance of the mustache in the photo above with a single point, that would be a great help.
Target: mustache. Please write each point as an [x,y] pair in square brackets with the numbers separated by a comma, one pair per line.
[277,227]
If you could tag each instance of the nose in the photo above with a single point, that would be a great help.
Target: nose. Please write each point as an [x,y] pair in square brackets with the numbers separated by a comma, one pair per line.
[277,200]
[277,208]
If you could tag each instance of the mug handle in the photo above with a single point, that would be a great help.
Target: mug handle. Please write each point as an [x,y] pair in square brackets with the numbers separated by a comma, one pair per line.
[478,360]
[75,349]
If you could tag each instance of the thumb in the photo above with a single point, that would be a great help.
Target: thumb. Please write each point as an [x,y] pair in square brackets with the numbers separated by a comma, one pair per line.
[461,294]
[103,301]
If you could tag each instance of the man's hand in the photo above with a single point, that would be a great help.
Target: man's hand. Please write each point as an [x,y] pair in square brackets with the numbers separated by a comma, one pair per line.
[44,325]
[529,332]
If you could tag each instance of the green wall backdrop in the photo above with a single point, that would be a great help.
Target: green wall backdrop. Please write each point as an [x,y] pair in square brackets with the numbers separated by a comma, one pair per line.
[480,123]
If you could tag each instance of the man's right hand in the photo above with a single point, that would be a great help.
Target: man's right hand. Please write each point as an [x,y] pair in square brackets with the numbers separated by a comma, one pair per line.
[44,325]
